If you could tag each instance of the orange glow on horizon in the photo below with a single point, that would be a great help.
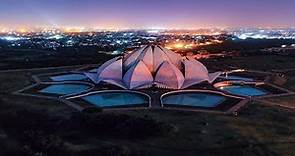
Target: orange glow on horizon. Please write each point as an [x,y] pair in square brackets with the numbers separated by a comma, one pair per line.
[22,30]
[180,45]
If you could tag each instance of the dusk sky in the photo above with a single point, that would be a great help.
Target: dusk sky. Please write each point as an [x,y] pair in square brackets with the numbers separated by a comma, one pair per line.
[148,13]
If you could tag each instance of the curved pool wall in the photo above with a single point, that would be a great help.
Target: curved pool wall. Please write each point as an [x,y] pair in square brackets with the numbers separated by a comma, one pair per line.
[64,89]
[237,78]
[241,88]
[63,76]
[207,99]
[114,99]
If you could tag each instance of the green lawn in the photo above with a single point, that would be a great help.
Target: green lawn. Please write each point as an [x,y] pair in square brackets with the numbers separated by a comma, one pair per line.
[290,84]
[287,101]
[30,125]
[265,62]
[258,130]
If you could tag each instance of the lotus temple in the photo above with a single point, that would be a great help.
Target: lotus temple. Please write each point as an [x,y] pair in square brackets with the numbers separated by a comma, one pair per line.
[152,77]
[152,66]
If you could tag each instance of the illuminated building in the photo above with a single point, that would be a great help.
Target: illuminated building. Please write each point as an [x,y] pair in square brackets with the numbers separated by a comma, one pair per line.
[152,66]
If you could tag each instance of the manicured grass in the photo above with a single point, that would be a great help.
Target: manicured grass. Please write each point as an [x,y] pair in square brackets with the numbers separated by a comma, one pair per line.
[258,130]
[29,125]
[264,62]
[287,101]
[290,84]
[15,80]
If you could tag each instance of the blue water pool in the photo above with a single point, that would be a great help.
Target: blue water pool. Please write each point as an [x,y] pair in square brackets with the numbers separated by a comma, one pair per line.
[64,89]
[194,99]
[68,77]
[244,90]
[112,99]
[237,78]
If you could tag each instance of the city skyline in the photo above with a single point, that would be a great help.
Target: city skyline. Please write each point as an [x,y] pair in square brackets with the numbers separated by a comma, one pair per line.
[146,14]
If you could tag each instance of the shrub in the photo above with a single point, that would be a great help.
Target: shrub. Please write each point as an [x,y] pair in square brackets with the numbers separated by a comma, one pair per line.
[120,125]
[38,142]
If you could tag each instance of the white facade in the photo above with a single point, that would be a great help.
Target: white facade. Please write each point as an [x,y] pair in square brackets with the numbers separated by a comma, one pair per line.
[169,76]
[138,76]
[153,65]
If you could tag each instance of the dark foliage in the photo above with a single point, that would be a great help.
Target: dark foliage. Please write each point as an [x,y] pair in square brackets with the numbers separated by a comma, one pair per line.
[120,125]
[40,134]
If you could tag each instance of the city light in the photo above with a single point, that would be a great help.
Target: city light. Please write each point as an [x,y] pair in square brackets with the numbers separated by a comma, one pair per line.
[22,30]
[10,38]
[179,45]
[55,37]
[147,77]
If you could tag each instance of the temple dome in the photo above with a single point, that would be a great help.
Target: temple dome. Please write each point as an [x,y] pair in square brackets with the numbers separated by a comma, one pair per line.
[152,65]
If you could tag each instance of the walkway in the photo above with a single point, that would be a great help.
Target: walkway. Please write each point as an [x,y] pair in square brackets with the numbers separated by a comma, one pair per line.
[48,68]
[155,95]
[291,106]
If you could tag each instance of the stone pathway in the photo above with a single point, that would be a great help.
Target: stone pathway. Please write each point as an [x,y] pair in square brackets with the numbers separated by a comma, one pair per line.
[155,102]
[291,106]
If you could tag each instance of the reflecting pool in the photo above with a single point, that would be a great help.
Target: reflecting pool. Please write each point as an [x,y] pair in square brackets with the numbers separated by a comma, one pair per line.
[64,89]
[244,90]
[112,99]
[194,99]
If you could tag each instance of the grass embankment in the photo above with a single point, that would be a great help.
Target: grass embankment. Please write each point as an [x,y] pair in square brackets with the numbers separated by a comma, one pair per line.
[264,62]
[32,125]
